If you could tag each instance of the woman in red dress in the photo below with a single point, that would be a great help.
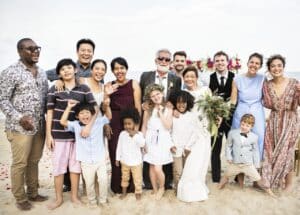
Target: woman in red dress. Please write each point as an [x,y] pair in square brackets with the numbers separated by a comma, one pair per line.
[127,93]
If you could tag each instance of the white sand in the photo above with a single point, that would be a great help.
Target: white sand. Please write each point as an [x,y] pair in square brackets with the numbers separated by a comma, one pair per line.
[231,200]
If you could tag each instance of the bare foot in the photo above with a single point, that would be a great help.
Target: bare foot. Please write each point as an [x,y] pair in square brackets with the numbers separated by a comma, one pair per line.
[103,206]
[55,204]
[288,189]
[123,195]
[138,196]
[76,202]
[153,192]
[92,205]
[160,193]
[270,192]
[221,185]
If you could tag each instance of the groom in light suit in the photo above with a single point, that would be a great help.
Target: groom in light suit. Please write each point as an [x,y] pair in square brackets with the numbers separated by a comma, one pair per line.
[171,84]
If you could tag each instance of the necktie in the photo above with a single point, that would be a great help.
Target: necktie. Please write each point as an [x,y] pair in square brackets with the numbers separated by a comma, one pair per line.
[222,82]
[244,134]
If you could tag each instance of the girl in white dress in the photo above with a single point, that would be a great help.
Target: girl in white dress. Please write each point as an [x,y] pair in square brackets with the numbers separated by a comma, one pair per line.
[184,131]
[157,122]
[191,186]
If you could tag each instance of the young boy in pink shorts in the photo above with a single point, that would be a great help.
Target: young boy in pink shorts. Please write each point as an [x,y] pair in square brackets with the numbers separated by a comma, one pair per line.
[60,141]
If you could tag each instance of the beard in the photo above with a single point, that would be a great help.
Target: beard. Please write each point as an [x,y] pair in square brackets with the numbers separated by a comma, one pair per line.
[179,68]
[163,69]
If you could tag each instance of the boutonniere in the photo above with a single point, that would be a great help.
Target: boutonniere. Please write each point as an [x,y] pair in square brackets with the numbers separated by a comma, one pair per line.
[171,85]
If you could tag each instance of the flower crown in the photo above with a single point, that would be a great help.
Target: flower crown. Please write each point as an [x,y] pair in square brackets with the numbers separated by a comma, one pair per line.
[150,88]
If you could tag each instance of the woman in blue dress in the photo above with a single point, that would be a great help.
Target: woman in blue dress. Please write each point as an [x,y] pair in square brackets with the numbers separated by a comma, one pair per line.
[247,94]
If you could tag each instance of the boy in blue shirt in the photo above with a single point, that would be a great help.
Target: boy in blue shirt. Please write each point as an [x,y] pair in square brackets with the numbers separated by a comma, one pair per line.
[90,151]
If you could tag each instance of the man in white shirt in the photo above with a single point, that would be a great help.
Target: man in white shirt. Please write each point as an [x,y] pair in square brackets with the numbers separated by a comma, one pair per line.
[220,83]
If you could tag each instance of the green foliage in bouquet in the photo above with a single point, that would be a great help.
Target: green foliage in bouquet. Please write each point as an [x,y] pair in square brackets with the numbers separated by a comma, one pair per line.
[215,108]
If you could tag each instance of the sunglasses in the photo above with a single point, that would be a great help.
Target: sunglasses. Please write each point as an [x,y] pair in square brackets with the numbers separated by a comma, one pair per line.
[32,48]
[164,59]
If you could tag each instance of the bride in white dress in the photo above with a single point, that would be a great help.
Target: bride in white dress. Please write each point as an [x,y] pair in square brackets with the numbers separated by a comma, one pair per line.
[192,186]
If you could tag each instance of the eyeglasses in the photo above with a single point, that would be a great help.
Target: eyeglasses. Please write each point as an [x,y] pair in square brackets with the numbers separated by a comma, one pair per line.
[164,59]
[32,48]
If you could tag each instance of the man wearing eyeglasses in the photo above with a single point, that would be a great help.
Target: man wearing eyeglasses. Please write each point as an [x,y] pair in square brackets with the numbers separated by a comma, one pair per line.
[23,92]
[85,51]
[162,75]
[171,83]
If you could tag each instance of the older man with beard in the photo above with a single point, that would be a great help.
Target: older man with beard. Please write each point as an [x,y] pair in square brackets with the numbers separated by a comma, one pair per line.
[171,83]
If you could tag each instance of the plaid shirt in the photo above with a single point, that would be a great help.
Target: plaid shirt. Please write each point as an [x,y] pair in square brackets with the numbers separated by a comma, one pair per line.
[21,94]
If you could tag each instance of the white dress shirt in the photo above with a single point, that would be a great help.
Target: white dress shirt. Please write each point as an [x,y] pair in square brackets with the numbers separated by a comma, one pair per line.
[225,75]
[163,82]
[129,148]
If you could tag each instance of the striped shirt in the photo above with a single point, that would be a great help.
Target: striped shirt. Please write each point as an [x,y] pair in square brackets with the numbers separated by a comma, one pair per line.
[58,101]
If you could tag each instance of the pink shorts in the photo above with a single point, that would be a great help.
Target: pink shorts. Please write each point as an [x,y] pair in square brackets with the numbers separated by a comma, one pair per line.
[63,156]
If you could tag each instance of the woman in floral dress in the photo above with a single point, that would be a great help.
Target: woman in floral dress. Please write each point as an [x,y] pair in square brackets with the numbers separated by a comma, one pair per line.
[282,96]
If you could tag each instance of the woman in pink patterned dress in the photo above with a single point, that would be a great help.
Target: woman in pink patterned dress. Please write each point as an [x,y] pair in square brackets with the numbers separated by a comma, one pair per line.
[282,96]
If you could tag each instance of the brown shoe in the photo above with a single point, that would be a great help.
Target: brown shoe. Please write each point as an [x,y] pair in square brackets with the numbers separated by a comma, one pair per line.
[38,198]
[24,206]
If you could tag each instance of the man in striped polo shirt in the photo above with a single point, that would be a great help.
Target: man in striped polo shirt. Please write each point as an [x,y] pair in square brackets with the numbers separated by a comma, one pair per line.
[60,141]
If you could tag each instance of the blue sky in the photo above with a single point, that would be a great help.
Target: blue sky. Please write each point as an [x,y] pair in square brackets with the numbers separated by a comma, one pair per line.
[137,29]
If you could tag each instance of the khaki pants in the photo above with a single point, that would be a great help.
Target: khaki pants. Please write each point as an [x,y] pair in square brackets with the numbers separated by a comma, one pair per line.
[137,174]
[26,153]
[178,164]
[89,171]
[247,169]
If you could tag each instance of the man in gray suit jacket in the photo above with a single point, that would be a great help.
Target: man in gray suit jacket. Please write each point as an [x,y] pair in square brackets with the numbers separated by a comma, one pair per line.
[162,75]
[171,84]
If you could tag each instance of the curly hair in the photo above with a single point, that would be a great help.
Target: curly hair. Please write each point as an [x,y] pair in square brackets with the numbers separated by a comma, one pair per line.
[182,96]
[275,57]
[130,113]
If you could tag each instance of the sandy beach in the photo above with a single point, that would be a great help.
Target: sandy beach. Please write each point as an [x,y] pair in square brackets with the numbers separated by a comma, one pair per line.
[231,200]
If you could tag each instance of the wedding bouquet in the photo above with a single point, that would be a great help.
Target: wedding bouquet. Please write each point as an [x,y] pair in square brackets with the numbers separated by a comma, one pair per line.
[215,108]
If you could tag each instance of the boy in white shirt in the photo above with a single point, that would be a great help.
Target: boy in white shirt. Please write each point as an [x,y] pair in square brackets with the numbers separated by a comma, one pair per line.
[129,153]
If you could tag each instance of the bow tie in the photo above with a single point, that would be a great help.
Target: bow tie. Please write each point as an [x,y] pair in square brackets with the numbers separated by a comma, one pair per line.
[244,134]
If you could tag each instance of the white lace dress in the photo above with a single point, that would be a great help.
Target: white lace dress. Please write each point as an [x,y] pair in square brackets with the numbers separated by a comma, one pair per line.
[192,186]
